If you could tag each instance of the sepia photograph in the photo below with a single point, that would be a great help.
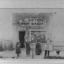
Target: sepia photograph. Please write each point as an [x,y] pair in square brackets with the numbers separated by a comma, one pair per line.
[31,31]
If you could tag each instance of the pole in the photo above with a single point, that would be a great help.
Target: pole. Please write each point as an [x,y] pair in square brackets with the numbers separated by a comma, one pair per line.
[32,53]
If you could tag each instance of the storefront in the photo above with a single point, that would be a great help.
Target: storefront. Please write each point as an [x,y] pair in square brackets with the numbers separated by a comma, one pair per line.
[32,27]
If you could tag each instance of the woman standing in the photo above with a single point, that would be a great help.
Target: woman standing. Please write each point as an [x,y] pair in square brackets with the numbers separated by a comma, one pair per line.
[27,48]
[38,48]
[18,50]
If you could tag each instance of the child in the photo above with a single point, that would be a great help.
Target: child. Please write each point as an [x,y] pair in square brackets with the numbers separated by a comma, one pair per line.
[18,50]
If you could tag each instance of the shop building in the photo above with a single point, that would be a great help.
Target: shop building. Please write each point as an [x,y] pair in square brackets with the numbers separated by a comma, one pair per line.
[30,26]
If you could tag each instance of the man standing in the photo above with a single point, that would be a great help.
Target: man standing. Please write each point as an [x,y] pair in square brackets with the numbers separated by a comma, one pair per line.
[48,48]
[27,48]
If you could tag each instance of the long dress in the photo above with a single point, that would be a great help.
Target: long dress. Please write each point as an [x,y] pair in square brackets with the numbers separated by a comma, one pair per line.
[38,49]
[18,50]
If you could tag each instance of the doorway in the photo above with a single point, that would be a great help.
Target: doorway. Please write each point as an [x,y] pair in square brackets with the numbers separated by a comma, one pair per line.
[21,38]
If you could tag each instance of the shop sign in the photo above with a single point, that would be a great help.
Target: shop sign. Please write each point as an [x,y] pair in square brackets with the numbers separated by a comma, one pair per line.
[32,22]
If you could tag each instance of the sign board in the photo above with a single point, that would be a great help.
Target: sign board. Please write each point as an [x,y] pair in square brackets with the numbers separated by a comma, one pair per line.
[32,22]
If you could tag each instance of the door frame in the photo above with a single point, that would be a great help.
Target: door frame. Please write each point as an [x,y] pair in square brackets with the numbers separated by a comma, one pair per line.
[24,36]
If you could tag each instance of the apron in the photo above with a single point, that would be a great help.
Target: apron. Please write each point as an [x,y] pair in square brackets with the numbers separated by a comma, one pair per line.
[48,46]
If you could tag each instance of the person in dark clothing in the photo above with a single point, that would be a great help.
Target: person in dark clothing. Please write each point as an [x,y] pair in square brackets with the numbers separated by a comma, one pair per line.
[18,50]
[46,53]
[27,48]
[38,48]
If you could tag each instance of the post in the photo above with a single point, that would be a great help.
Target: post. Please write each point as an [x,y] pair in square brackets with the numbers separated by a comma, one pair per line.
[32,53]
[32,46]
